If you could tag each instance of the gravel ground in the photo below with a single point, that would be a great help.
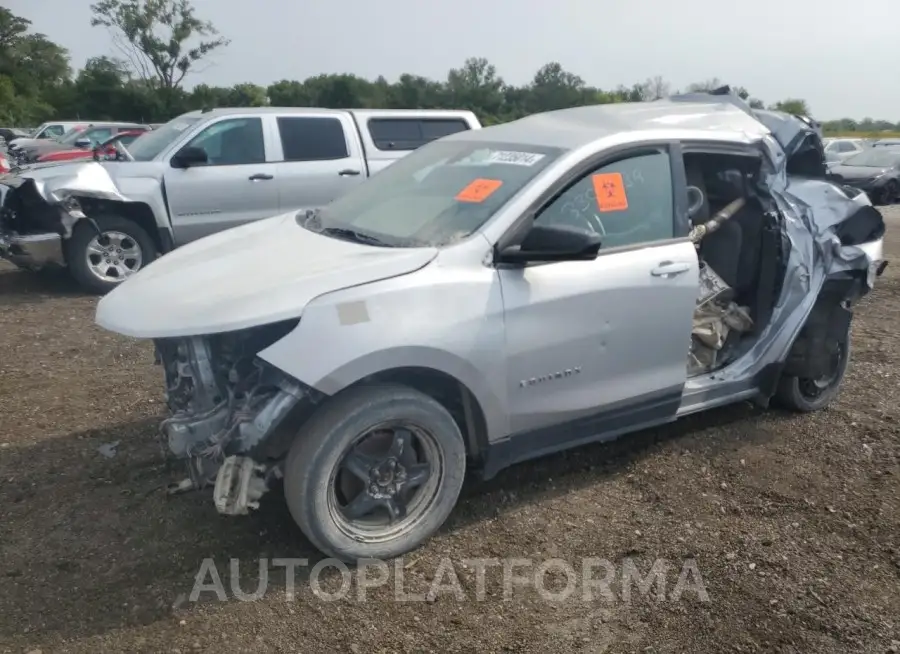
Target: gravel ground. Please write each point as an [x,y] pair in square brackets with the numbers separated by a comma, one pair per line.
[792,522]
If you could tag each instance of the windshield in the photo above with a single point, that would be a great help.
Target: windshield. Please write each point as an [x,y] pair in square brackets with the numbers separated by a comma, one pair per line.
[148,145]
[875,158]
[41,128]
[71,136]
[434,196]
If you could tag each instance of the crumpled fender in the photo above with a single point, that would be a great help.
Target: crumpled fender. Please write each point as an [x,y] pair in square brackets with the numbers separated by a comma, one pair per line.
[60,183]
[56,183]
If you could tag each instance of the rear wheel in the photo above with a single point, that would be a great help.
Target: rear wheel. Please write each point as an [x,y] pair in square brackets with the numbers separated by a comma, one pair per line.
[375,473]
[807,395]
[102,260]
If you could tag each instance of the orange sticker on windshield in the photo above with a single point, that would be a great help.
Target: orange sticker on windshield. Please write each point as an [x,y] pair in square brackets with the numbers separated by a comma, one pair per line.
[610,191]
[479,190]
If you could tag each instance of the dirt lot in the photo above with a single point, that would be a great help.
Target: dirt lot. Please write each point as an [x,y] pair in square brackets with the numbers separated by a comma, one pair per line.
[793,521]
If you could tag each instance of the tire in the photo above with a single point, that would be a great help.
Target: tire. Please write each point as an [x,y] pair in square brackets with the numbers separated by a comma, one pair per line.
[130,234]
[313,471]
[794,394]
[891,193]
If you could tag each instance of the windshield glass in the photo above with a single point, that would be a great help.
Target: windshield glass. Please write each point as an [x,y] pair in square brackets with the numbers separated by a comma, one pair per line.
[38,132]
[434,196]
[71,136]
[149,144]
[875,158]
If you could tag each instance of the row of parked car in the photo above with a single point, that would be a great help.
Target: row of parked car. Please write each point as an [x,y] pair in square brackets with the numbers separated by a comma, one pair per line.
[67,141]
[871,165]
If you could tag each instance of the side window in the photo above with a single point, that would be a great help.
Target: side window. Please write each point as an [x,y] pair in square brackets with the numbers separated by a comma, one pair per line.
[627,202]
[396,133]
[312,139]
[232,142]
[433,129]
[411,133]
[843,146]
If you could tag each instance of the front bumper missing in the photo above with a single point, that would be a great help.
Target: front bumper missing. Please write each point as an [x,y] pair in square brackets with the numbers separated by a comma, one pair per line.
[32,251]
[222,431]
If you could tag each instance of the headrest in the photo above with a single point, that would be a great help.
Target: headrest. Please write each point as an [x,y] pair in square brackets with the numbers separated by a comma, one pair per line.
[698,201]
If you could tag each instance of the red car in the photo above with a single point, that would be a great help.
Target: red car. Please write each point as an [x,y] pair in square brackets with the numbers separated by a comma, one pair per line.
[105,149]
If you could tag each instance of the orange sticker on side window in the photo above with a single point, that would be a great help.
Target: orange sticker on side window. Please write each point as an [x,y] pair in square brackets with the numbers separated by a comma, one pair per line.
[610,191]
[479,190]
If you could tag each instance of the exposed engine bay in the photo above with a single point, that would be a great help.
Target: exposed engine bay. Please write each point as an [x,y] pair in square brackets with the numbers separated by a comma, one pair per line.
[739,258]
[226,409]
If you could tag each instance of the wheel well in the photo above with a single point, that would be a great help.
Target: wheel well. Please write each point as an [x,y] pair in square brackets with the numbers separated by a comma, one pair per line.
[827,324]
[139,212]
[450,392]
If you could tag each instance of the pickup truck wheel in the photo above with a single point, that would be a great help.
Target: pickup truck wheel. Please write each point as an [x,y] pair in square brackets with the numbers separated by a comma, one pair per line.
[375,472]
[101,261]
[891,193]
[807,395]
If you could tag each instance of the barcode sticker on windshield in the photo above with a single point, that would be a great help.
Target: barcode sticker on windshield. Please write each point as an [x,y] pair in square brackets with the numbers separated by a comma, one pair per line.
[514,158]
[180,127]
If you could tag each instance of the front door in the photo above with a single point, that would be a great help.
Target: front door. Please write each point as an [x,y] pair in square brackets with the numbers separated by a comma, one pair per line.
[235,186]
[602,345]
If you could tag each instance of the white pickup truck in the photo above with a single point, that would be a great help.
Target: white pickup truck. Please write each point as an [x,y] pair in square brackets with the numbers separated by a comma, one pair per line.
[200,173]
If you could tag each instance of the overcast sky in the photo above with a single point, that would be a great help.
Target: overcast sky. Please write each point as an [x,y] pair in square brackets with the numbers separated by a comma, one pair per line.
[840,60]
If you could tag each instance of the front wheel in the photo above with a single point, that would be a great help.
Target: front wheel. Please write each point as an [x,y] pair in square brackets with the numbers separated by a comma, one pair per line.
[375,472]
[807,395]
[891,193]
[101,260]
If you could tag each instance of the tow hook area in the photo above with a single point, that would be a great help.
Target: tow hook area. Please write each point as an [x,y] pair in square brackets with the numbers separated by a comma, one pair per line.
[240,483]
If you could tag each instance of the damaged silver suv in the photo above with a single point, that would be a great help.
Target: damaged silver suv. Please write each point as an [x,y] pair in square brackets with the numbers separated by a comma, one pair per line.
[498,295]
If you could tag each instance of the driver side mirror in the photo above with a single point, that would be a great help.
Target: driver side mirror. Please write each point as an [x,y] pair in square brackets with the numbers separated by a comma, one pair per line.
[84,143]
[189,156]
[547,243]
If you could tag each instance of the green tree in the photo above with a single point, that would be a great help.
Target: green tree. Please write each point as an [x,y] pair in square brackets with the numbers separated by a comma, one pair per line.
[162,40]
[794,106]
[247,95]
[553,87]
[30,66]
[475,86]
[98,88]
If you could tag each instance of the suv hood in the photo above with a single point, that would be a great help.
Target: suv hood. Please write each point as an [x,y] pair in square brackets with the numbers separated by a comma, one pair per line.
[255,274]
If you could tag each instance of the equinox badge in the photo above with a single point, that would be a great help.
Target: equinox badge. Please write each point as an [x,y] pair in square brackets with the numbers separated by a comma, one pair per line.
[562,374]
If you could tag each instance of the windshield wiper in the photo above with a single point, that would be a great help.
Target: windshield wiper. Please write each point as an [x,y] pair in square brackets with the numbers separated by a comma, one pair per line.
[353,235]
[311,219]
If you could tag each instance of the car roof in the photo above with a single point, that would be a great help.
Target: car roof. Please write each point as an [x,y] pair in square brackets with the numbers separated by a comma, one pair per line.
[581,126]
[108,123]
[227,111]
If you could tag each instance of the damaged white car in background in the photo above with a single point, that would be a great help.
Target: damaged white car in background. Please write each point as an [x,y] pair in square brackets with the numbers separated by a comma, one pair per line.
[501,294]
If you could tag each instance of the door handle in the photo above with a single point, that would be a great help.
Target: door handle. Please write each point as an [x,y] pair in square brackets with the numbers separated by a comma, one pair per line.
[670,268]
[348,173]
[260,176]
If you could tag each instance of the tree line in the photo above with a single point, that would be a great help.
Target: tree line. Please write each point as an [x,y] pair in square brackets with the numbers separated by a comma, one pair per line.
[159,43]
